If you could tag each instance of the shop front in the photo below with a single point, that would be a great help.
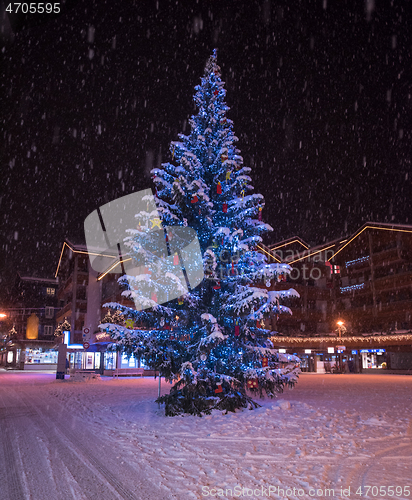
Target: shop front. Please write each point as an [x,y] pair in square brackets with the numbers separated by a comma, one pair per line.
[372,358]
[350,354]
[121,361]
[30,355]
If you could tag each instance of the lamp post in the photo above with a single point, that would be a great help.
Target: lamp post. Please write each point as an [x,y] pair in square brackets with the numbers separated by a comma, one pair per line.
[2,317]
[340,328]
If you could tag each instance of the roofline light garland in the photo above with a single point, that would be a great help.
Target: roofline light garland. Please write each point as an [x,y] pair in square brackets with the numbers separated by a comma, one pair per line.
[78,251]
[270,255]
[371,227]
[311,254]
[289,243]
[379,339]
[112,267]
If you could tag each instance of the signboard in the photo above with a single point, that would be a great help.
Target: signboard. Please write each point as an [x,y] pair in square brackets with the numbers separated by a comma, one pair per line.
[86,334]
[377,351]
[102,337]
[86,345]
[341,347]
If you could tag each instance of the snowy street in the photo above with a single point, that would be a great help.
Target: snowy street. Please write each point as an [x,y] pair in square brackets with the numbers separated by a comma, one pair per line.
[50,452]
[108,439]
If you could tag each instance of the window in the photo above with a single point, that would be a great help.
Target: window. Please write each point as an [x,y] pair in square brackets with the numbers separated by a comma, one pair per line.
[48,330]
[49,312]
[50,291]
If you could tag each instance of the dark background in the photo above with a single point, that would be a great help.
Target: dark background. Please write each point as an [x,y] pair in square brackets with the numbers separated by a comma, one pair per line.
[320,95]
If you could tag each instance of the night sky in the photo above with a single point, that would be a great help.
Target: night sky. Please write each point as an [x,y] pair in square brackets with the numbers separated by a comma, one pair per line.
[320,95]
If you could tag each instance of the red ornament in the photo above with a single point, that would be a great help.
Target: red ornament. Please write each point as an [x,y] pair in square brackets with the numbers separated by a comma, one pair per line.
[257,324]
[217,286]
[260,213]
[219,389]
[237,329]
[233,267]
[176,260]
[224,208]
[264,362]
[219,188]
[252,383]
[215,92]
[195,199]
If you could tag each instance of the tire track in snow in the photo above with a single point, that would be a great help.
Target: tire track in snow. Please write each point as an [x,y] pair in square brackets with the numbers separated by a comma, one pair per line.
[357,475]
[13,481]
[79,460]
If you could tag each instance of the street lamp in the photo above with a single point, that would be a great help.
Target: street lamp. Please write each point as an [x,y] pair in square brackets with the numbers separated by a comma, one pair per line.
[340,328]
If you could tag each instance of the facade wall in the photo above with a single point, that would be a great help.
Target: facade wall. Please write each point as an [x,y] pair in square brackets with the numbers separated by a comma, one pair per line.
[367,285]
[375,289]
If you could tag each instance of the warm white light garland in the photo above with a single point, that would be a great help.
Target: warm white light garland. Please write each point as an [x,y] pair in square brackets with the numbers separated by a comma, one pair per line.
[317,341]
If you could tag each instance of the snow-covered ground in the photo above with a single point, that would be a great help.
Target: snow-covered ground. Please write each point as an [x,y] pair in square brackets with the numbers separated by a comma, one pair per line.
[108,439]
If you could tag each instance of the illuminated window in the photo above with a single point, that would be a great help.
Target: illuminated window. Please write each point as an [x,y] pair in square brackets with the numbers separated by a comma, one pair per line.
[50,291]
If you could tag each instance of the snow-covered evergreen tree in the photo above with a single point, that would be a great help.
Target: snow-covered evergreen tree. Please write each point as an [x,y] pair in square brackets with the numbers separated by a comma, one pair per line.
[211,341]
[12,333]
[62,327]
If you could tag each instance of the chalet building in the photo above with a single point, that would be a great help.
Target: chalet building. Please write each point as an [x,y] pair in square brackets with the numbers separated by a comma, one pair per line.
[32,321]
[355,299]
[374,292]
[81,294]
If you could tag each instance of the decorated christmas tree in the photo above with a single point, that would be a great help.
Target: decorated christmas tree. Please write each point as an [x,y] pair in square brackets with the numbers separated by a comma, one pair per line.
[211,341]
[62,327]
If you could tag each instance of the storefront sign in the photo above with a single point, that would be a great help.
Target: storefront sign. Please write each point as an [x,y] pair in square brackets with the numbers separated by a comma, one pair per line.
[377,351]
[102,337]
